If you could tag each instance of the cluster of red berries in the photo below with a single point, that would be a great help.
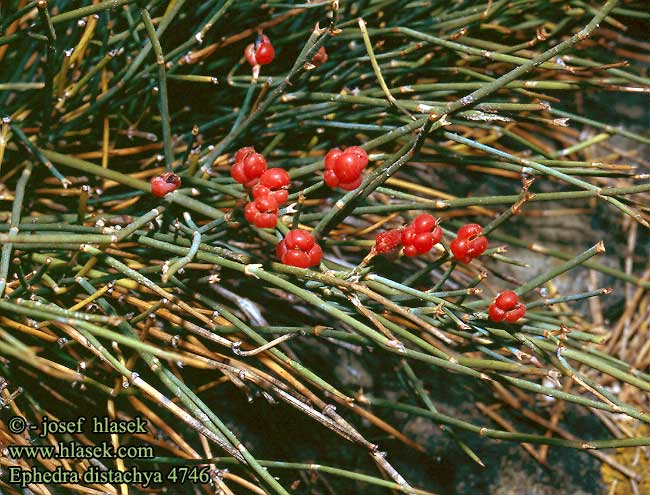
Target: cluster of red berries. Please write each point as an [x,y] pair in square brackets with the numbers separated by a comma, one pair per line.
[299,248]
[261,52]
[424,232]
[506,306]
[343,168]
[269,187]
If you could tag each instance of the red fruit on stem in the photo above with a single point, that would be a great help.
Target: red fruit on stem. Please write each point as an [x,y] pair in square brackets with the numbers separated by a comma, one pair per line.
[263,212]
[242,152]
[261,52]
[298,248]
[506,306]
[506,300]
[424,223]
[388,241]
[343,168]
[165,183]
[275,181]
[495,313]
[469,243]
[249,169]
[299,239]
[346,167]
[360,153]
[320,57]
[421,235]
[265,53]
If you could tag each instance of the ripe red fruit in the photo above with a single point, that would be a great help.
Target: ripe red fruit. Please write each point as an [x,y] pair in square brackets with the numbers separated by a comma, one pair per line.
[388,241]
[343,168]
[469,243]
[242,152]
[261,52]
[298,248]
[249,168]
[320,57]
[274,182]
[165,183]
[262,212]
[506,306]
[421,235]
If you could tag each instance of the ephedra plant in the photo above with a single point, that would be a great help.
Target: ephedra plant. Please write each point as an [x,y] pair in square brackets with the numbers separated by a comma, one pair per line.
[209,207]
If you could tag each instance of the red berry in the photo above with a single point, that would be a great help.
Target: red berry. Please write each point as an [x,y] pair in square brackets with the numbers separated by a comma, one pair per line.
[506,306]
[343,168]
[299,239]
[470,231]
[388,241]
[410,251]
[263,212]
[265,53]
[424,223]
[421,235]
[423,242]
[298,248]
[506,300]
[315,255]
[260,53]
[495,313]
[242,152]
[276,182]
[350,186]
[320,57]
[296,257]
[360,153]
[331,179]
[165,183]
[469,243]
[248,170]
[346,167]
[331,157]
[516,313]
[459,248]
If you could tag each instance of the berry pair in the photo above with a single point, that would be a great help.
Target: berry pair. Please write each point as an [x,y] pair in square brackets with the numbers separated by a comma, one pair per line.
[165,183]
[343,168]
[506,306]
[261,52]
[298,248]
[469,243]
